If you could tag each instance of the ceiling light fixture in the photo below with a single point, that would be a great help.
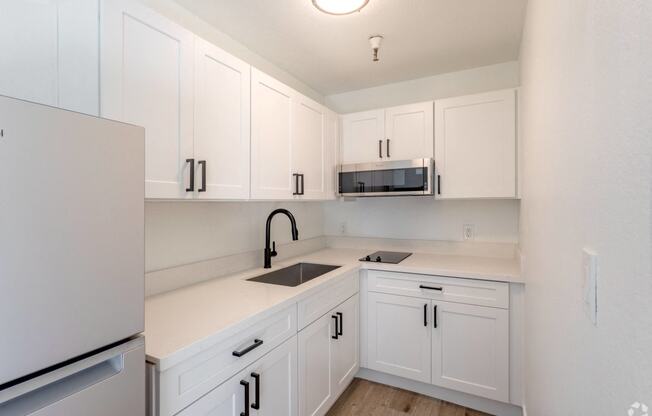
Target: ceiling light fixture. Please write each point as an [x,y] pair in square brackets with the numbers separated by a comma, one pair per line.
[339,7]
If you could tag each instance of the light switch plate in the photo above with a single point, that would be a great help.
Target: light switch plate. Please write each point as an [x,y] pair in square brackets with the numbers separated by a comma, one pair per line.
[590,284]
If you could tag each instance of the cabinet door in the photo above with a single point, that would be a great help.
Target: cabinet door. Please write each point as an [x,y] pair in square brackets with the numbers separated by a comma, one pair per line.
[346,351]
[315,364]
[470,349]
[475,145]
[271,138]
[399,332]
[363,137]
[277,381]
[332,154]
[309,147]
[146,80]
[50,52]
[222,116]
[409,131]
[226,400]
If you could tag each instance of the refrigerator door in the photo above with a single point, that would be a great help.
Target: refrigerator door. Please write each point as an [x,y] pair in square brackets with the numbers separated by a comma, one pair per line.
[71,235]
[110,383]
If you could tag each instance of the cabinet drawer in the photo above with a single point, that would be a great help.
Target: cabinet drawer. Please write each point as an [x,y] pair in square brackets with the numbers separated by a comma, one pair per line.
[186,382]
[312,308]
[451,289]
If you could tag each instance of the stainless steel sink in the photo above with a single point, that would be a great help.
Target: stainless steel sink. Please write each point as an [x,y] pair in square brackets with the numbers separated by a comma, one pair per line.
[294,275]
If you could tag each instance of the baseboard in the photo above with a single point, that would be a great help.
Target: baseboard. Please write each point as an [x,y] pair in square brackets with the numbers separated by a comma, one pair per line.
[472,402]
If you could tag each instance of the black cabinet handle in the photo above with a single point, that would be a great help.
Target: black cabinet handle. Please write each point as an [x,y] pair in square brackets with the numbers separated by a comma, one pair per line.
[256,404]
[380,149]
[296,184]
[425,315]
[257,343]
[435,316]
[246,398]
[438,184]
[341,315]
[202,163]
[303,184]
[191,188]
[337,330]
[388,148]
[431,288]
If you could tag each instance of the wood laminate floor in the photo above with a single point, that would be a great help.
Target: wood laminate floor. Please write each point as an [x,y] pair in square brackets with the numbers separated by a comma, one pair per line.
[365,398]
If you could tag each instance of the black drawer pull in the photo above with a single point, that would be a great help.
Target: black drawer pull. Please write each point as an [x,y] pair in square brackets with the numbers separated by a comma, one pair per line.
[337,330]
[256,404]
[191,188]
[431,288]
[257,343]
[435,316]
[425,315]
[341,323]
[246,398]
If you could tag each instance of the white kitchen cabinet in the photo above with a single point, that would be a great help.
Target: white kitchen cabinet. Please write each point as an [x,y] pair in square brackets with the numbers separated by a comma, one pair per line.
[399,335]
[315,364]
[363,136]
[475,145]
[332,154]
[470,349]
[222,129]
[50,52]
[329,357]
[147,79]
[409,131]
[346,357]
[271,138]
[309,156]
[267,388]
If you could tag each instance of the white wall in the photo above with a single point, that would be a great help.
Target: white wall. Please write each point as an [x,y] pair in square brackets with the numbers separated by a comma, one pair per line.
[470,81]
[587,124]
[178,233]
[422,218]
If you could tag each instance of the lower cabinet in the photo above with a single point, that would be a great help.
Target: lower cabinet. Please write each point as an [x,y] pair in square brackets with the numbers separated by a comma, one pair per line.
[268,387]
[328,357]
[459,346]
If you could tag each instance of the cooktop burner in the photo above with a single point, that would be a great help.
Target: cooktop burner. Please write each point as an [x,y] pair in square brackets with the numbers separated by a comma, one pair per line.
[393,257]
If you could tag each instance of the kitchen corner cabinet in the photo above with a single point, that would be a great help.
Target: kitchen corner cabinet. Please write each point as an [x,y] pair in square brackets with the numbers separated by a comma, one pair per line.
[397,133]
[475,146]
[328,357]
[50,52]
[147,79]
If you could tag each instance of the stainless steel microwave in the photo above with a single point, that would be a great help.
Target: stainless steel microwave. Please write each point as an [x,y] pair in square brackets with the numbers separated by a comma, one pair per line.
[393,178]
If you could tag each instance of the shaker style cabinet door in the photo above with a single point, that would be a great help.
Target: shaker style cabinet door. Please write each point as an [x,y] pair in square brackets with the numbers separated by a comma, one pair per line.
[470,349]
[309,148]
[146,79]
[346,349]
[399,332]
[315,363]
[50,52]
[222,117]
[274,382]
[475,145]
[363,137]
[271,138]
[409,132]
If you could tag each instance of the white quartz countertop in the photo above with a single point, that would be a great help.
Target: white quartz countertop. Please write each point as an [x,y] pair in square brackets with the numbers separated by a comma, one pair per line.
[183,322]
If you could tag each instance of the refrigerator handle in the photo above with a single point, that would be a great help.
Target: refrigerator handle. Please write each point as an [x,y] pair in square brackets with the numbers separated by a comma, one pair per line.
[66,381]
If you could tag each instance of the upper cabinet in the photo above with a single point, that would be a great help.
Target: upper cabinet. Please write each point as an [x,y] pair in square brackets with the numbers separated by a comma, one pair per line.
[397,133]
[50,52]
[222,123]
[309,156]
[147,79]
[475,146]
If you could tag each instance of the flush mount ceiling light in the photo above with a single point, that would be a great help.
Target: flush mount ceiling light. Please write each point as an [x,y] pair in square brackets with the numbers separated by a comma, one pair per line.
[340,7]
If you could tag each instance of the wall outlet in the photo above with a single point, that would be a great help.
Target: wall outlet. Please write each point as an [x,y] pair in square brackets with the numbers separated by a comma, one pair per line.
[343,228]
[590,284]
[468,232]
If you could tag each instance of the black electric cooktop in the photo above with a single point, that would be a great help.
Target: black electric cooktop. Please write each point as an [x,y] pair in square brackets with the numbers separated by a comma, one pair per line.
[393,257]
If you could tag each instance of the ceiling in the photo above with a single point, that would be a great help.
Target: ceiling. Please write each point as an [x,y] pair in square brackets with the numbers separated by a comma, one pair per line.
[332,54]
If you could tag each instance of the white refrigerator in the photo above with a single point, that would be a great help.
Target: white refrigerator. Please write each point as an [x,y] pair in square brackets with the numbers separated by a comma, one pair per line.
[71,263]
